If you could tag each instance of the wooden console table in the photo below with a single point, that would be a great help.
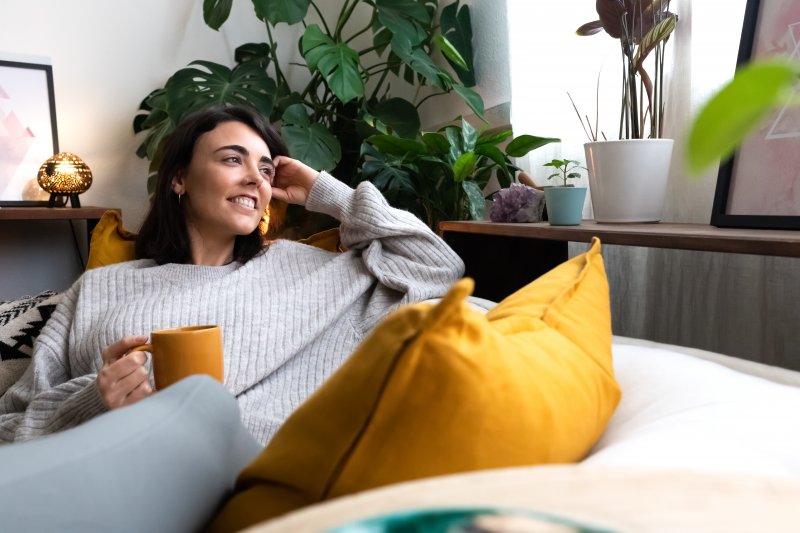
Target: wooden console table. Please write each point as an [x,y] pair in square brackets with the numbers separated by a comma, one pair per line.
[90,214]
[501,257]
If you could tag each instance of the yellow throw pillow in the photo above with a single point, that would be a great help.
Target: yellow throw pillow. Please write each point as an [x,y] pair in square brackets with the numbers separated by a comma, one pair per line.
[442,389]
[327,240]
[110,242]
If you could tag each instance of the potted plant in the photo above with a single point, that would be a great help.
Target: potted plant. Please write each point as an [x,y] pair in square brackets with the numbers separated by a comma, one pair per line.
[564,202]
[628,177]
[441,175]
[346,96]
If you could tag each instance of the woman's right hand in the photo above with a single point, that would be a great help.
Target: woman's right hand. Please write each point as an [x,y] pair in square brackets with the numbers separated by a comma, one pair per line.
[124,380]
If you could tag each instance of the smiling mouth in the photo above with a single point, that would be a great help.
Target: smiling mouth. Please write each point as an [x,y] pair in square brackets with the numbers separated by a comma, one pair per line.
[244,201]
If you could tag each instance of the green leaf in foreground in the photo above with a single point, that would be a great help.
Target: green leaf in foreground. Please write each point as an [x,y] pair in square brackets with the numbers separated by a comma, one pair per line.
[736,110]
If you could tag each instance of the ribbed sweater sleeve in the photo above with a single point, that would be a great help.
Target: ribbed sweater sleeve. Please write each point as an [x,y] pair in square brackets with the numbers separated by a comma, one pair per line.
[47,399]
[396,247]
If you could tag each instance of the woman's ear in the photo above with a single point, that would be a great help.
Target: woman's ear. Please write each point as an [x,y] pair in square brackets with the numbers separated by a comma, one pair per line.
[177,185]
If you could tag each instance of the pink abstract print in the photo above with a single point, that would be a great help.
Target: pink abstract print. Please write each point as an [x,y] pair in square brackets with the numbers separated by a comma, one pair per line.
[15,141]
[768,162]
[27,127]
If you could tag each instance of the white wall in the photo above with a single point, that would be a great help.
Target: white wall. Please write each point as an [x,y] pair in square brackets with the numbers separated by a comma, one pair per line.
[106,57]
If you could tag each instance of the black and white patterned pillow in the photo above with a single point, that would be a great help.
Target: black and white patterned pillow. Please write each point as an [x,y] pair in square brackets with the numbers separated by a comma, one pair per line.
[21,321]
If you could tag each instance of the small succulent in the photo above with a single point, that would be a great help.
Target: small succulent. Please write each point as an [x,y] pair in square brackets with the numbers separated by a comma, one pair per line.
[565,169]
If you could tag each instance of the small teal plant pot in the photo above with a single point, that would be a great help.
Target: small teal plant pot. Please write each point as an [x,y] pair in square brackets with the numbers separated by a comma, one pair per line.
[564,205]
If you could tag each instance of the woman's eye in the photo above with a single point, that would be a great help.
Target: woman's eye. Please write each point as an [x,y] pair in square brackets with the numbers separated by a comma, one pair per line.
[268,173]
[231,159]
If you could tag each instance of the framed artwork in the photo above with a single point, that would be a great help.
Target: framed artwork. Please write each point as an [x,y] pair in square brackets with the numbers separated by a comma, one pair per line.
[28,132]
[759,187]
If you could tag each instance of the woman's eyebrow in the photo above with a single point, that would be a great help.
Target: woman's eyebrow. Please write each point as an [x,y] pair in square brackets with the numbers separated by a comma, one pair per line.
[243,151]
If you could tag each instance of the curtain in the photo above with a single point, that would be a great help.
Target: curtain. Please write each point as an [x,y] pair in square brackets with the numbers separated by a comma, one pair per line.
[741,305]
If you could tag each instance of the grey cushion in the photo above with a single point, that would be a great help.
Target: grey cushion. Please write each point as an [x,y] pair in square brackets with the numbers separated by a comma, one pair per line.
[163,464]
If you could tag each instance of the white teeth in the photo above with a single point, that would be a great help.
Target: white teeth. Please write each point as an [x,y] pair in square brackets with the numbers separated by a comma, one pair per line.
[245,201]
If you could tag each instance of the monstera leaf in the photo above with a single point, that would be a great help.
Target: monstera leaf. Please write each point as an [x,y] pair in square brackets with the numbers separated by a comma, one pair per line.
[276,11]
[416,58]
[407,18]
[259,52]
[400,115]
[337,62]
[216,12]
[309,142]
[457,29]
[191,88]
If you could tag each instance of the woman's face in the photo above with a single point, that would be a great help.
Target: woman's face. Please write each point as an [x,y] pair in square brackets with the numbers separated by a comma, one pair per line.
[228,183]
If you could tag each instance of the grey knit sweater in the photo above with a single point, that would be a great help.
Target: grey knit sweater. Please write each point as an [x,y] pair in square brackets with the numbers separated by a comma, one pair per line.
[289,317]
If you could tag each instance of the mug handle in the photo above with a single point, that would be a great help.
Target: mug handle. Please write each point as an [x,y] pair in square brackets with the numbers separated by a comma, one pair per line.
[142,348]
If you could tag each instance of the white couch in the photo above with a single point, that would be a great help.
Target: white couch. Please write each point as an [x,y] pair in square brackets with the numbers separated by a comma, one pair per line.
[698,440]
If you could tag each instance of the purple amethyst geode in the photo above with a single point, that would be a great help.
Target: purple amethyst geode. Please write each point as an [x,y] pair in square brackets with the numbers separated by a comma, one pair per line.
[517,203]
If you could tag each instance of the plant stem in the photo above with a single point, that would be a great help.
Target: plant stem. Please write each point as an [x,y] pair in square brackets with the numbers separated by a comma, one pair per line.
[367,50]
[274,54]
[378,66]
[380,83]
[344,16]
[312,84]
[365,29]
[596,109]
[321,18]
[429,96]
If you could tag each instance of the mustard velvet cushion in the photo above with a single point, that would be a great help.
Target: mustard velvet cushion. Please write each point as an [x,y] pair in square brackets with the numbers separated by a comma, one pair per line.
[442,389]
[110,243]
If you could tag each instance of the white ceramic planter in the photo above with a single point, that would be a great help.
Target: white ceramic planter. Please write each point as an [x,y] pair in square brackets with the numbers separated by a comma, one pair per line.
[628,178]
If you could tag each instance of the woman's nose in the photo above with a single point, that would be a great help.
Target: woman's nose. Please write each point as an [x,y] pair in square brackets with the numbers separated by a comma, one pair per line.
[253,175]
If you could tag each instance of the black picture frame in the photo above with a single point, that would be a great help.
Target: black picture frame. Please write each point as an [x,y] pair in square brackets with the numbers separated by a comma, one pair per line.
[721,215]
[8,66]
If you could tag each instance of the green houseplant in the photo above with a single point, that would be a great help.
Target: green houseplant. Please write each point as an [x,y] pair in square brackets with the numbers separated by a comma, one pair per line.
[441,175]
[642,27]
[564,202]
[565,170]
[628,177]
[348,96]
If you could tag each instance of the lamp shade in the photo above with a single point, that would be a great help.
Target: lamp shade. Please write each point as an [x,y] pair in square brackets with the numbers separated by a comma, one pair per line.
[64,173]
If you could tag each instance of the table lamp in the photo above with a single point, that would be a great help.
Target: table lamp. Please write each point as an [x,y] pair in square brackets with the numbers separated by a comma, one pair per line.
[64,175]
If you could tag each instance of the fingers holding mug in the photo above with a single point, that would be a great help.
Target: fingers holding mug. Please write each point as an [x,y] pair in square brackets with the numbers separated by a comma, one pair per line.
[124,378]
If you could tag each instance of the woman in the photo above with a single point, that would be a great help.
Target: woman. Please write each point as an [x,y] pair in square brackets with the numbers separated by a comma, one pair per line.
[290,313]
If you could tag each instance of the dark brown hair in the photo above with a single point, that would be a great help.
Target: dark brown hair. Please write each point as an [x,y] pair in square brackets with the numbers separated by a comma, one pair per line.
[164,236]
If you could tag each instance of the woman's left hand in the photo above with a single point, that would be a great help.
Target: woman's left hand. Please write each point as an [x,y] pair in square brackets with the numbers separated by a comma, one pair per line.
[293,180]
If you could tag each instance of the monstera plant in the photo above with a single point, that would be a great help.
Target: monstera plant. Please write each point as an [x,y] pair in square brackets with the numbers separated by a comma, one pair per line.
[348,97]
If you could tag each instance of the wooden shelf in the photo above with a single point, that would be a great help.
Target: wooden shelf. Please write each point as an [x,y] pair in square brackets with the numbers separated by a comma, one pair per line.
[53,213]
[662,235]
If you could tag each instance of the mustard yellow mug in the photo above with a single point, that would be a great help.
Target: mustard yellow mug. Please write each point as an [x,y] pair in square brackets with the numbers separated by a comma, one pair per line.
[181,352]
